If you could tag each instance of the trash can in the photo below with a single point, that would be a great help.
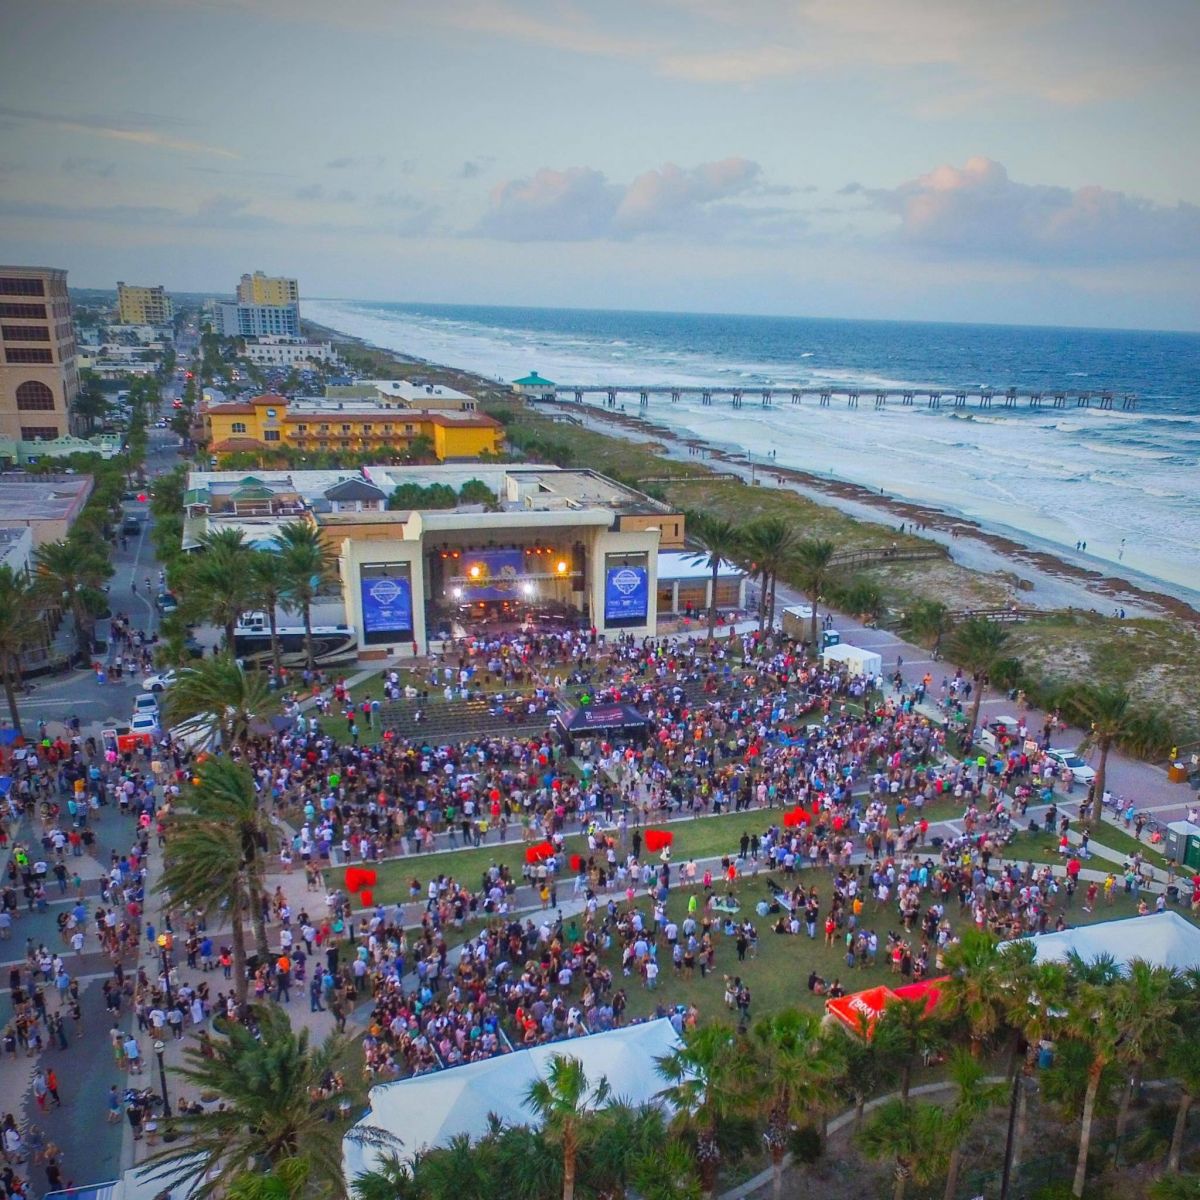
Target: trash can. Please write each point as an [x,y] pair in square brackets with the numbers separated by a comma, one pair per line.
[1177,773]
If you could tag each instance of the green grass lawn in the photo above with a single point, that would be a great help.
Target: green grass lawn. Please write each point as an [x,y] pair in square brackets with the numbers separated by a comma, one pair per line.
[705,837]
[778,976]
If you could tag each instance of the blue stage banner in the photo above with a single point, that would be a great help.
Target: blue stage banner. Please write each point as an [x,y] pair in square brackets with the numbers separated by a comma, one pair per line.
[492,574]
[626,594]
[387,606]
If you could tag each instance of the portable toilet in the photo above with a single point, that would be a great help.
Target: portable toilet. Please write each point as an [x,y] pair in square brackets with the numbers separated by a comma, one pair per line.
[1183,843]
[831,638]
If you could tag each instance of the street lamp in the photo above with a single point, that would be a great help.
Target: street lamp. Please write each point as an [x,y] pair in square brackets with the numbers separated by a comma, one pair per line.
[159,1047]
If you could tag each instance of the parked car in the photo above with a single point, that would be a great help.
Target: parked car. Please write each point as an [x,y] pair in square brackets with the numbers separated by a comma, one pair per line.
[144,723]
[146,702]
[160,682]
[166,603]
[131,526]
[1068,758]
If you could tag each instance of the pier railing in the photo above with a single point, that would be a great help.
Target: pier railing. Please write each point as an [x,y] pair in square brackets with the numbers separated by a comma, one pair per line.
[877,398]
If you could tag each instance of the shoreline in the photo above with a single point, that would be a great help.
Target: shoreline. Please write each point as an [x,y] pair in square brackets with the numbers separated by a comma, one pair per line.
[1105,587]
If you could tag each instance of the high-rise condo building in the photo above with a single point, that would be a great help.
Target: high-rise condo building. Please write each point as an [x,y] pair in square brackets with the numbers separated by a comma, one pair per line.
[38,377]
[143,305]
[267,289]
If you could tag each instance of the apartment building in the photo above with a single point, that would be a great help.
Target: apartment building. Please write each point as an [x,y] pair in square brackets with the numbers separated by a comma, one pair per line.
[259,320]
[143,305]
[39,378]
[275,290]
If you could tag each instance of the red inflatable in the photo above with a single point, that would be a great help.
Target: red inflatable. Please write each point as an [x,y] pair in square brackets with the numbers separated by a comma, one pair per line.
[539,853]
[656,839]
[367,897]
[358,878]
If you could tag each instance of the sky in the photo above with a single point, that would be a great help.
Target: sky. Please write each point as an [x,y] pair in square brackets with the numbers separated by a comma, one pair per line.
[1022,162]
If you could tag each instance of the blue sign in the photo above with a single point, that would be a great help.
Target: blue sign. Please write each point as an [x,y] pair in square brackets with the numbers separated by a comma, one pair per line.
[387,606]
[626,595]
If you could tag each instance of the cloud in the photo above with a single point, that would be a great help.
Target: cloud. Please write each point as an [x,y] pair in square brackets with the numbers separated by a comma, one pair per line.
[977,211]
[580,204]
[95,168]
[474,167]
[316,191]
[853,188]
[134,129]
[345,162]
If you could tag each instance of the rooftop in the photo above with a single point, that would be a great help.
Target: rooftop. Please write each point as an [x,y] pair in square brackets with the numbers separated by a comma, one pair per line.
[28,498]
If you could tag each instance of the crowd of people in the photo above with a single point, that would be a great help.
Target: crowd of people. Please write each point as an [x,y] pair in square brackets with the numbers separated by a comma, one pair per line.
[747,726]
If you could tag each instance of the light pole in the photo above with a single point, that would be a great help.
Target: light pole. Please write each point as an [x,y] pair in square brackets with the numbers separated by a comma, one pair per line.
[159,1047]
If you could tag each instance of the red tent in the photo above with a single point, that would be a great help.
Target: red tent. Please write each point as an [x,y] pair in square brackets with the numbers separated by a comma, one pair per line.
[795,817]
[860,1007]
[539,853]
[868,1006]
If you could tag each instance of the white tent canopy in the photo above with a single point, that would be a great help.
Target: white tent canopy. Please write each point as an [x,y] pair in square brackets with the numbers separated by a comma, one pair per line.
[427,1110]
[1162,939]
[854,658]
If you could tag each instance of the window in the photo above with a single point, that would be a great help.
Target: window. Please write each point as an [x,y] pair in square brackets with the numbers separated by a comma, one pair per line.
[345,444]
[408,429]
[323,428]
[301,428]
[239,427]
[33,396]
[270,435]
[25,333]
[31,433]
[271,414]
[31,312]
[19,354]
[21,287]
[345,428]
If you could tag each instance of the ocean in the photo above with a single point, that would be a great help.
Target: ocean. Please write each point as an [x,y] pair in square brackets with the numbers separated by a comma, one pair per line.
[1123,482]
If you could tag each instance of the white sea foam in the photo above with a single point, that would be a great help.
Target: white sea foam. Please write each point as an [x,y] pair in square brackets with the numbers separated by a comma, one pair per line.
[1061,475]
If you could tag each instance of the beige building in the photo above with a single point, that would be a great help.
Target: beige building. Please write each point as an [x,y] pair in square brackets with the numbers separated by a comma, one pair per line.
[143,305]
[267,289]
[39,377]
[46,505]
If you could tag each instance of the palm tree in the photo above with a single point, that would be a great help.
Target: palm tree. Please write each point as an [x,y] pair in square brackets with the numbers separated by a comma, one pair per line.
[391,1179]
[277,1105]
[226,702]
[1183,1065]
[562,1101]
[1113,719]
[813,568]
[1094,1022]
[20,627]
[287,1180]
[70,573]
[706,1086]
[930,619]
[867,1067]
[909,1031]
[524,1166]
[975,1096]
[309,564]
[219,583]
[271,585]
[1147,999]
[459,1170]
[977,646]
[718,540]
[771,542]
[217,846]
[627,1148]
[978,990]
[794,1069]
[913,1137]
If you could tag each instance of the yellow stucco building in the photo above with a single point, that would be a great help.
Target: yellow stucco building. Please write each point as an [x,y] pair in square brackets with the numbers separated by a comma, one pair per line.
[266,422]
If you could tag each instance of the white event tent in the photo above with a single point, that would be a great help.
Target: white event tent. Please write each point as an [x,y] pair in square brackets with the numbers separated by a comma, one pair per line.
[1162,939]
[427,1110]
[854,658]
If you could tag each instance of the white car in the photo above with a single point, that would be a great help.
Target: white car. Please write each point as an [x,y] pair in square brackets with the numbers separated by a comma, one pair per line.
[144,723]
[1068,758]
[157,683]
[146,702]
